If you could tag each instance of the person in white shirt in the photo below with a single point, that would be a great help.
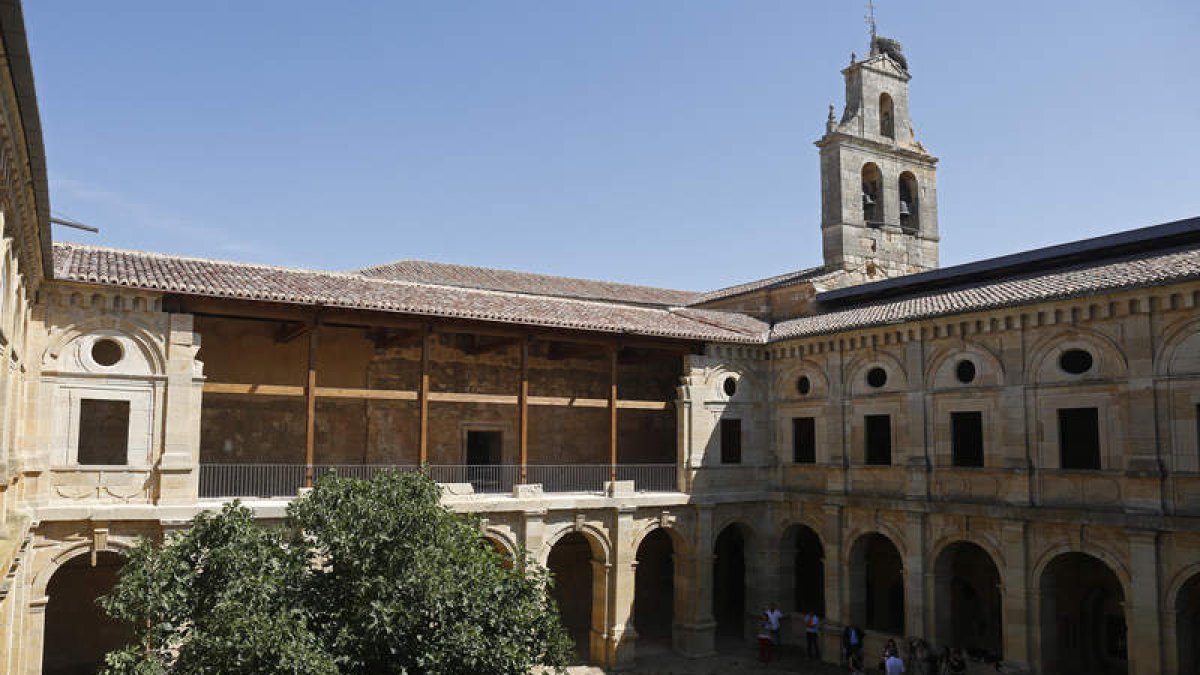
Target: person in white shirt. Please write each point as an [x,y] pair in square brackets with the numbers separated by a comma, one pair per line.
[892,665]
[775,619]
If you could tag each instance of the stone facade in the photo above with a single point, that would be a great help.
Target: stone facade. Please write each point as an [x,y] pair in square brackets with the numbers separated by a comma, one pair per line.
[1023,479]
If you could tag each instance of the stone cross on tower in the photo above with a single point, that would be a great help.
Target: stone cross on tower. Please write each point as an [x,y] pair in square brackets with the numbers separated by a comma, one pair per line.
[878,188]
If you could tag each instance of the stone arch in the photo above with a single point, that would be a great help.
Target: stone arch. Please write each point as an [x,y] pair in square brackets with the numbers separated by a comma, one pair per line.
[749,386]
[897,376]
[1082,626]
[597,538]
[1112,561]
[657,587]
[136,334]
[802,568]
[76,633]
[1110,361]
[785,380]
[503,543]
[967,596]
[888,530]
[939,373]
[1183,606]
[41,578]
[577,558]
[876,583]
[1180,351]
[731,587]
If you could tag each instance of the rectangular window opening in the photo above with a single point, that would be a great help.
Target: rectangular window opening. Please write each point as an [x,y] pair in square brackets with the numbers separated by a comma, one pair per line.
[966,438]
[1079,438]
[804,440]
[878,430]
[731,441]
[484,448]
[103,432]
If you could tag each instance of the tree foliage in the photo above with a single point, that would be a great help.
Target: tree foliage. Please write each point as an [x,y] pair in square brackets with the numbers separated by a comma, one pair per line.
[363,577]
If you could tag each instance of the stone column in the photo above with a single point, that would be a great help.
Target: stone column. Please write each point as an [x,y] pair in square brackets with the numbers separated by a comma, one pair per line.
[695,629]
[35,633]
[836,614]
[914,575]
[1016,610]
[1142,605]
[179,479]
[622,636]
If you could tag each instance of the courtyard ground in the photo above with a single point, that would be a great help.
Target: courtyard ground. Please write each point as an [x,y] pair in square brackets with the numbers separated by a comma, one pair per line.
[733,658]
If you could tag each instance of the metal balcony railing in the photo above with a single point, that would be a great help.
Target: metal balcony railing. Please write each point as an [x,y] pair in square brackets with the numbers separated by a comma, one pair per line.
[285,480]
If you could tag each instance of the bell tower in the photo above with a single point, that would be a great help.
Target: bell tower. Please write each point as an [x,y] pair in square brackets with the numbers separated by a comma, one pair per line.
[878,184]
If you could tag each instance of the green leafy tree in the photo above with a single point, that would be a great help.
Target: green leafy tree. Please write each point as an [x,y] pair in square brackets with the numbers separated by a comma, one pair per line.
[364,577]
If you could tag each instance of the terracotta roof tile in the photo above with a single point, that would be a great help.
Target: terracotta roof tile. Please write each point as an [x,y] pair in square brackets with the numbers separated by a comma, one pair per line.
[194,276]
[1148,269]
[467,276]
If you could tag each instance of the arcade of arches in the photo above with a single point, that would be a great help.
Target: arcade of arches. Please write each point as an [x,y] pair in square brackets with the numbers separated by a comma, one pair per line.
[78,632]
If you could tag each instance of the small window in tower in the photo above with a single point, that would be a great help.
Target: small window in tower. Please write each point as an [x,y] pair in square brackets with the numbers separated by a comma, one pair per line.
[878,436]
[1079,438]
[103,432]
[887,116]
[731,441]
[909,213]
[804,440]
[872,197]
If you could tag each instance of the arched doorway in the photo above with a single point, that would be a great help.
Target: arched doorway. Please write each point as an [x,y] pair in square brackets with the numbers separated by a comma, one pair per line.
[877,585]
[1187,627]
[803,561]
[654,588]
[729,582]
[967,599]
[1082,619]
[570,563]
[78,632]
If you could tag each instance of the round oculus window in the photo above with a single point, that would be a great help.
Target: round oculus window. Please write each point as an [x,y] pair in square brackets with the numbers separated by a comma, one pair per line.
[1075,361]
[965,371]
[107,352]
[877,377]
[804,385]
[730,386]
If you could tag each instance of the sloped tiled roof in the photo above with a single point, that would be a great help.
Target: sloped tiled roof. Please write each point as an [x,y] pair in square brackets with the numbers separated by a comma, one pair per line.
[467,276]
[757,285]
[222,279]
[1131,271]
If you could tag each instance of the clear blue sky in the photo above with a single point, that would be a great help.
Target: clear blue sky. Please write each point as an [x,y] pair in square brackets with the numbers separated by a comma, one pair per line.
[665,142]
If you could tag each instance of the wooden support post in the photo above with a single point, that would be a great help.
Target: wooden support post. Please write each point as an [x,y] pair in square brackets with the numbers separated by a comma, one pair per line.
[423,399]
[612,412]
[310,409]
[523,411]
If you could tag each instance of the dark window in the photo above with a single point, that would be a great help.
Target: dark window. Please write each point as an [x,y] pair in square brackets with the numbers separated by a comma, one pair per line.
[731,441]
[803,385]
[484,448]
[804,440]
[966,438]
[877,377]
[730,386]
[1075,361]
[1079,438]
[103,431]
[879,439]
[965,372]
[107,352]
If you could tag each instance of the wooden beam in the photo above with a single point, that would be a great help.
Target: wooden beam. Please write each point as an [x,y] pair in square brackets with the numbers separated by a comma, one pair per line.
[253,389]
[290,331]
[523,411]
[368,394]
[310,409]
[455,397]
[238,389]
[423,398]
[612,412]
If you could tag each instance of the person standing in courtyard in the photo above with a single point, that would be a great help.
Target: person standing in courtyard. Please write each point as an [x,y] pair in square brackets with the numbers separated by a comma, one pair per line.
[775,618]
[812,634]
[893,664]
